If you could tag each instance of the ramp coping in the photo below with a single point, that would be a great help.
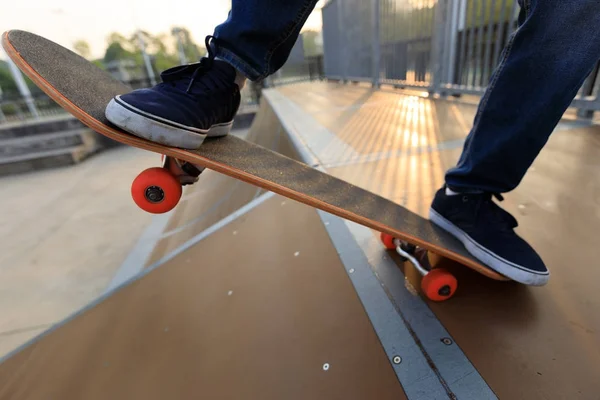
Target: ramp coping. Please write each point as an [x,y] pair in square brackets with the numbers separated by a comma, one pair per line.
[406,326]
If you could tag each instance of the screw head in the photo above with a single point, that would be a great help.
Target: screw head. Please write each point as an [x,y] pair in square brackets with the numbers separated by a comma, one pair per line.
[351,270]
[447,341]
[397,360]
[325,367]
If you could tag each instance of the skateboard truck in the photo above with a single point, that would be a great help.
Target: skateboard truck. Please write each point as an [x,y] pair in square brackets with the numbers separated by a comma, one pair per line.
[186,172]
[157,190]
[437,284]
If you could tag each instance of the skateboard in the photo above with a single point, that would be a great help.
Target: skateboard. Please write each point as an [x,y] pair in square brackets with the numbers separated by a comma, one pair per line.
[84,90]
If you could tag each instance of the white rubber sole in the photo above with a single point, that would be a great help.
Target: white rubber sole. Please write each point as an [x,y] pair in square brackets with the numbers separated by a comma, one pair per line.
[507,268]
[159,130]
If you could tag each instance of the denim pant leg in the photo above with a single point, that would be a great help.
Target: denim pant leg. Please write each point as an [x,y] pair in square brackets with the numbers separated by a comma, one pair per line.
[258,35]
[543,66]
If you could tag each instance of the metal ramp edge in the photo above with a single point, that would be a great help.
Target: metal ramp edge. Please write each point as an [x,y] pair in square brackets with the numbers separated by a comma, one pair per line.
[408,330]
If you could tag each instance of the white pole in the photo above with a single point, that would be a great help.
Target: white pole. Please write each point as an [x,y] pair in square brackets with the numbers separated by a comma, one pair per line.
[23,89]
[147,63]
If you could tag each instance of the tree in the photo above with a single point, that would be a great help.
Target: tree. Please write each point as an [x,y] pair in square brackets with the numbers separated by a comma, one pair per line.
[192,51]
[127,44]
[313,44]
[163,55]
[82,48]
[115,51]
[7,83]
[157,49]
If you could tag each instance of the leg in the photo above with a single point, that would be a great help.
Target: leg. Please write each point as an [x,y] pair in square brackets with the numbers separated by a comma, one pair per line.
[545,62]
[542,68]
[258,35]
[200,100]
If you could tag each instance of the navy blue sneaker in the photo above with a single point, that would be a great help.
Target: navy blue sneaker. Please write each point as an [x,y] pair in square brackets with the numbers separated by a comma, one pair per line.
[487,232]
[191,103]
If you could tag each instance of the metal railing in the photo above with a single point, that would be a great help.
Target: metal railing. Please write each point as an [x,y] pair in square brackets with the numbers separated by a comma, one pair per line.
[17,109]
[450,47]
[310,68]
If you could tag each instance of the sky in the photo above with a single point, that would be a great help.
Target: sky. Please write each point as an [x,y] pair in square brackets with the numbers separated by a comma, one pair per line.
[65,21]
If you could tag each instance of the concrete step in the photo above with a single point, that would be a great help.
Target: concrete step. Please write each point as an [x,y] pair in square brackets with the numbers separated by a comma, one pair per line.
[51,150]
[65,122]
[30,146]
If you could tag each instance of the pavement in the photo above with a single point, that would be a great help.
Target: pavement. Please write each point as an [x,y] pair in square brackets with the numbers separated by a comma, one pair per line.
[63,234]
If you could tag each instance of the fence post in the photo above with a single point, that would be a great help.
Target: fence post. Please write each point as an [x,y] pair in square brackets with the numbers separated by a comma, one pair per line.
[452,23]
[587,89]
[343,43]
[23,88]
[376,42]
[2,117]
[438,49]
[147,63]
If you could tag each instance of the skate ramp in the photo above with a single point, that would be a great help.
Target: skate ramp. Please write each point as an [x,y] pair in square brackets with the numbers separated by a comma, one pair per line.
[267,314]
[216,196]
[250,295]
[526,342]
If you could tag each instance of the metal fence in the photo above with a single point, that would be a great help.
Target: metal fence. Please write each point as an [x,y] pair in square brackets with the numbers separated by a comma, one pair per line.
[308,69]
[35,104]
[449,47]
[39,105]
[30,107]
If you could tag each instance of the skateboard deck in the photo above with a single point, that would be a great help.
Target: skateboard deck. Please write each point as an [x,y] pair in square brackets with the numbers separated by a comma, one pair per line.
[84,90]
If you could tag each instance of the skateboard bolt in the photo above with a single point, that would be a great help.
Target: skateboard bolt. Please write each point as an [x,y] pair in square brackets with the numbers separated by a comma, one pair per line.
[447,341]
[397,360]
[154,194]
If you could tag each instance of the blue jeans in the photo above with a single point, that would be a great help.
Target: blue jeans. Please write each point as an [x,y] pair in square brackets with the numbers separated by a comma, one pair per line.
[258,35]
[542,67]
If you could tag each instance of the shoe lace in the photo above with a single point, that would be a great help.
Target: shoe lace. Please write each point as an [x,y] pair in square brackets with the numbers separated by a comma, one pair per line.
[209,83]
[487,211]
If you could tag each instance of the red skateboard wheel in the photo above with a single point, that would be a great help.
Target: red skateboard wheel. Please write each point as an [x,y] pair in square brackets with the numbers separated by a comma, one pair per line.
[388,241]
[155,190]
[439,285]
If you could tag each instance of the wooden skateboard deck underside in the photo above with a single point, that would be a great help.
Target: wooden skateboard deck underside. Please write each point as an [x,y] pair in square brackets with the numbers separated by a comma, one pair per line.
[84,90]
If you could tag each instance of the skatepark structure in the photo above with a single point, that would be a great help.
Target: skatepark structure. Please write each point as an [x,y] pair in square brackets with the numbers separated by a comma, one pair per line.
[247,294]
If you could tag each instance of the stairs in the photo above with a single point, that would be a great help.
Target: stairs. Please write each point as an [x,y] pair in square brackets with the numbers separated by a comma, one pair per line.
[46,143]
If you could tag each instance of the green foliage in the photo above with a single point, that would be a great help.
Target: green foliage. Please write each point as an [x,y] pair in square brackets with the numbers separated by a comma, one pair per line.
[192,51]
[481,8]
[98,63]
[311,46]
[8,85]
[400,20]
[82,48]
[163,61]
[115,51]
[162,48]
